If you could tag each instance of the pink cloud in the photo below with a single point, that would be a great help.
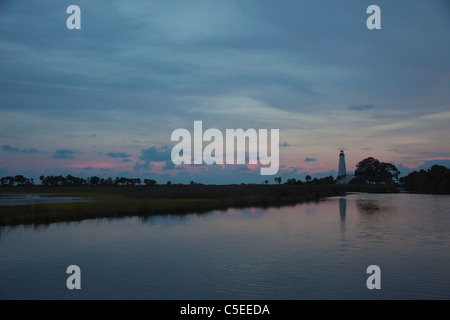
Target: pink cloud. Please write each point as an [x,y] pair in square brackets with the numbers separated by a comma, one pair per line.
[98,164]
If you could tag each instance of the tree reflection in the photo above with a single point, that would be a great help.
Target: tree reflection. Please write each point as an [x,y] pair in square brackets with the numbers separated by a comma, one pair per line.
[368,206]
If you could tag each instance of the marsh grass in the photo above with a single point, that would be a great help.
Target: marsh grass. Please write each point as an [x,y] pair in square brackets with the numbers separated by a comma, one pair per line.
[114,201]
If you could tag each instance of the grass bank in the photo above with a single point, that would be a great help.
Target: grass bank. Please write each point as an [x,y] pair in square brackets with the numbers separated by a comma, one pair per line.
[119,201]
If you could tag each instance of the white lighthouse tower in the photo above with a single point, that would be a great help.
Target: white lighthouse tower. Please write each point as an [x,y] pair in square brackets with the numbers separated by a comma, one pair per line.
[343,177]
[342,172]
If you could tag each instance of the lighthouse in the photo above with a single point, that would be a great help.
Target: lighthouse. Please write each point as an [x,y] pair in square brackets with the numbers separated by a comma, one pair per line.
[343,177]
[342,172]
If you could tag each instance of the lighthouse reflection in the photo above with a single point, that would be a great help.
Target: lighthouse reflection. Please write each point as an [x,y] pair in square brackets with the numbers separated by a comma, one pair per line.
[342,207]
[342,213]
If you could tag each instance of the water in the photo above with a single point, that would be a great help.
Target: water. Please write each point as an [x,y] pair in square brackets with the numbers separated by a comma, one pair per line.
[27,199]
[310,251]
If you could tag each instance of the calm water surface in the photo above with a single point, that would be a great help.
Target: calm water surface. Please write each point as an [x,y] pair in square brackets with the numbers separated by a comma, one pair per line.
[310,251]
[35,198]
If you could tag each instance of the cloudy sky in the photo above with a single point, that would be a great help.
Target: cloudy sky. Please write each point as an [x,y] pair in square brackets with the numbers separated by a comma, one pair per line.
[104,100]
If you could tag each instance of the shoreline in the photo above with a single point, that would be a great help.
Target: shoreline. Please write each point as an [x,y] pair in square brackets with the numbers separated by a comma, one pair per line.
[145,201]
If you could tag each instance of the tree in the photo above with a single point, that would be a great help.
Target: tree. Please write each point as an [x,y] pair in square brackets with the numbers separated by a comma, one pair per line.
[94,181]
[327,180]
[18,180]
[308,178]
[292,181]
[372,171]
[277,180]
[74,181]
[434,180]
[149,182]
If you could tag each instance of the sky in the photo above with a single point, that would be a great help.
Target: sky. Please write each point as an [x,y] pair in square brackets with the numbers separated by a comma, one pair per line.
[104,99]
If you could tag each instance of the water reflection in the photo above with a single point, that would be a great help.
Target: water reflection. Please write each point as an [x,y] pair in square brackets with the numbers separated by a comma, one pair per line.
[343,213]
[164,220]
[343,207]
[27,199]
[368,206]
[275,253]
[35,228]
[174,219]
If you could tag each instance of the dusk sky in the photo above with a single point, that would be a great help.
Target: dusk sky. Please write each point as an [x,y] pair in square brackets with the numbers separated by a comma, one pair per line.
[105,99]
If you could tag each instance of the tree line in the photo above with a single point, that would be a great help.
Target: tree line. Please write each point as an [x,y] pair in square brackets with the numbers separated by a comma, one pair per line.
[369,171]
[434,180]
[69,180]
[309,180]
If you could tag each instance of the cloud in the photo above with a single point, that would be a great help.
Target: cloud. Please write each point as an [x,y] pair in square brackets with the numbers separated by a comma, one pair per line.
[171,62]
[243,168]
[122,155]
[154,154]
[294,170]
[361,107]
[8,148]
[146,166]
[435,154]
[428,164]
[118,155]
[310,159]
[169,165]
[65,154]
[404,171]
[3,171]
